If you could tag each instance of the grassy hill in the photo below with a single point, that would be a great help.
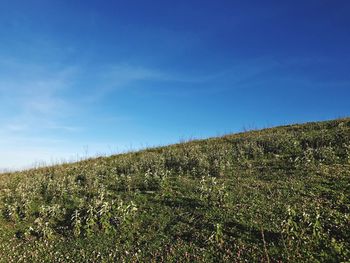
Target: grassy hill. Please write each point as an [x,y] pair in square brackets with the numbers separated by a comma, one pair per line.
[279,194]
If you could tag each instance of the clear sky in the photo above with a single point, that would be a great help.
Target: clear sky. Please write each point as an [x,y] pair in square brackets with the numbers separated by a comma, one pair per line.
[84,77]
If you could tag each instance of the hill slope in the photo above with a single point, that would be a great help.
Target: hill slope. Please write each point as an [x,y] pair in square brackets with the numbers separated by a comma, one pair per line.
[279,194]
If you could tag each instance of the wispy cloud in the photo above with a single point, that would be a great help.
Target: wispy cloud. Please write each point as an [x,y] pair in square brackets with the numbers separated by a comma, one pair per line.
[33,105]
[32,94]
[122,76]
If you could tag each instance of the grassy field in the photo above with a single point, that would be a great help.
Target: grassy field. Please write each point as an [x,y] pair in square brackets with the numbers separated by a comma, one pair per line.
[274,195]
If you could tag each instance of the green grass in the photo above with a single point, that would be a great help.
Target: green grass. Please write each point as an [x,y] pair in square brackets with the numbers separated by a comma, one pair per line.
[274,195]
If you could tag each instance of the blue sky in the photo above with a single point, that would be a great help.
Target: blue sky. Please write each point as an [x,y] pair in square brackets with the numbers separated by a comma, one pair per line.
[91,77]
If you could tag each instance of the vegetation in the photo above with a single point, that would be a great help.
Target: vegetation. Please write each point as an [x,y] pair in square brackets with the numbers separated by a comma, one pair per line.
[275,195]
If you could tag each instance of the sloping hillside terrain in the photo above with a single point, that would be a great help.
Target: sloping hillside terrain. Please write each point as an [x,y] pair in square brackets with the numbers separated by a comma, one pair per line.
[278,194]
